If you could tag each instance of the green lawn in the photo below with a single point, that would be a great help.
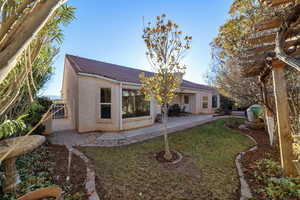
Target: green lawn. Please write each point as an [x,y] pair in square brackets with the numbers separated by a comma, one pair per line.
[207,171]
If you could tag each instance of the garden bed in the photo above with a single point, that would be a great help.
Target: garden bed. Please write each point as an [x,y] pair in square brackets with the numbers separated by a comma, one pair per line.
[263,172]
[47,166]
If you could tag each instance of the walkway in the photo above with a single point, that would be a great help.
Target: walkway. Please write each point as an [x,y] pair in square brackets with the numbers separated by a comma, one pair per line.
[73,138]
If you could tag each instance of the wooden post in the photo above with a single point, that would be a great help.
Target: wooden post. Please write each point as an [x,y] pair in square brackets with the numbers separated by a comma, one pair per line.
[282,112]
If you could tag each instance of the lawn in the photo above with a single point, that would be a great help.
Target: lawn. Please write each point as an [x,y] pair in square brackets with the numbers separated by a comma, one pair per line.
[207,171]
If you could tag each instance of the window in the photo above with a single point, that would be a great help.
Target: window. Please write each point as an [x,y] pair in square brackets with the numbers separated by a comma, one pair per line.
[134,104]
[59,111]
[186,99]
[105,103]
[205,102]
[214,101]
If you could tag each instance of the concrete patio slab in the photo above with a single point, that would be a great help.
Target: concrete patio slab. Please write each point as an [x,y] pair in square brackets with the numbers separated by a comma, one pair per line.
[73,138]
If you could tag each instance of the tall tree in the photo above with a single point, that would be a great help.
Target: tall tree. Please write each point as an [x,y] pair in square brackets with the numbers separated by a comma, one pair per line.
[35,64]
[228,54]
[20,23]
[258,45]
[226,72]
[166,47]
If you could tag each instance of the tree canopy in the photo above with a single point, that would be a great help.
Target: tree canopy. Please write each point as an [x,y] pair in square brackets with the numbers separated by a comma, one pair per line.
[35,65]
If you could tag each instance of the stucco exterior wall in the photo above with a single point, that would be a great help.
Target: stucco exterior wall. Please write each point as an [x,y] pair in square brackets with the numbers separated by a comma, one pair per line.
[89,105]
[199,100]
[69,94]
[195,99]
[179,99]
[136,122]
[55,125]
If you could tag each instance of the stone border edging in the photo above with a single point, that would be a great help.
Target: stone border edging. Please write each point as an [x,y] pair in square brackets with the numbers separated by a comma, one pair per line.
[179,159]
[90,185]
[244,189]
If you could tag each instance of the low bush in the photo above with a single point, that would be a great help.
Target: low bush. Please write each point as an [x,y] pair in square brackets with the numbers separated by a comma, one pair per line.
[34,172]
[273,185]
[10,128]
[38,170]
[35,113]
[283,188]
[234,123]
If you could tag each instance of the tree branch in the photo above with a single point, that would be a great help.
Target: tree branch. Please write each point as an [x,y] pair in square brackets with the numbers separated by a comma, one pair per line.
[28,30]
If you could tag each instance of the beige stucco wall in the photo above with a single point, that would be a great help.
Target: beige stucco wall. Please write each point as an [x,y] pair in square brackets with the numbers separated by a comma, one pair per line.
[55,125]
[136,122]
[69,93]
[199,100]
[195,99]
[179,99]
[70,96]
[89,105]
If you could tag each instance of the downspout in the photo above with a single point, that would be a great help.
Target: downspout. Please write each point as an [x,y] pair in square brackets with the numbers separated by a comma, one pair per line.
[121,103]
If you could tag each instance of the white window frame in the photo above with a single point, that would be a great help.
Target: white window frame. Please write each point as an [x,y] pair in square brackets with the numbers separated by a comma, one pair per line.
[100,104]
[204,101]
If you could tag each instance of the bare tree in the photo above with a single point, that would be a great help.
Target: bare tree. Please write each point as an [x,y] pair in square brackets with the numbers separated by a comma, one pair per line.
[166,47]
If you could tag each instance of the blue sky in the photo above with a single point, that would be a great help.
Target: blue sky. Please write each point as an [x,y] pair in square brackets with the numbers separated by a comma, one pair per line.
[111,31]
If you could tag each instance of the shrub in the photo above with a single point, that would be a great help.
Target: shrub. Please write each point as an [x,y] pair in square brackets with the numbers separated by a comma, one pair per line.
[274,186]
[35,112]
[11,127]
[267,168]
[283,188]
[234,123]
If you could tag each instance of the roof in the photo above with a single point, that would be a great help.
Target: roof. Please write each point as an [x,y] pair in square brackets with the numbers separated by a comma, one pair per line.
[117,72]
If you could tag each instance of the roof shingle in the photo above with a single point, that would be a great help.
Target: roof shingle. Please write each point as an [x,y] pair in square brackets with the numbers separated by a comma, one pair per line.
[117,72]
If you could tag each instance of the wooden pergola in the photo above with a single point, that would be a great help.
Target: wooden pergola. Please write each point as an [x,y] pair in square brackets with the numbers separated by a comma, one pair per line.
[273,45]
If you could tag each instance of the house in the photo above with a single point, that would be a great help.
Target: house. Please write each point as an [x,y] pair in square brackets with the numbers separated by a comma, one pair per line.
[99,96]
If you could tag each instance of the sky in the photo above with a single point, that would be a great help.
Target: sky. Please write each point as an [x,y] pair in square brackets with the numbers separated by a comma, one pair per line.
[111,31]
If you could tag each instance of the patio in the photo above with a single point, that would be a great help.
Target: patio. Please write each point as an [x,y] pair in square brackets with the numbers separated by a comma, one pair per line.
[73,138]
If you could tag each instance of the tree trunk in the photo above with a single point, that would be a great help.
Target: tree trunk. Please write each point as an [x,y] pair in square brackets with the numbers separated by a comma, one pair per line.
[33,22]
[284,131]
[167,155]
[12,178]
